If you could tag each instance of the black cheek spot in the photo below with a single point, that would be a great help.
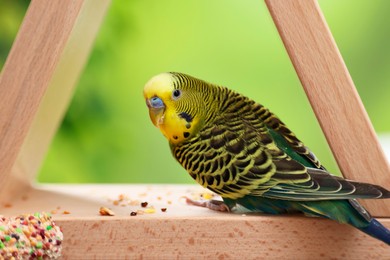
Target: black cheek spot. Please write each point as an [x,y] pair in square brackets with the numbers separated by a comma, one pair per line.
[188,126]
[186,116]
[175,137]
[186,134]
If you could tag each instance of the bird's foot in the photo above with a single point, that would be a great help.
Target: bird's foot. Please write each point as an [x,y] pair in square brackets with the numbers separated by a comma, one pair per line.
[217,205]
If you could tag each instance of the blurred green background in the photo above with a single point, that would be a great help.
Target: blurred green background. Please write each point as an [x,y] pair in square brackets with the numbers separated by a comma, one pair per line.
[107,136]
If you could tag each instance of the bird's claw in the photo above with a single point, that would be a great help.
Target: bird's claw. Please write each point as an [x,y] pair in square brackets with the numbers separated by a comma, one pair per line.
[216,205]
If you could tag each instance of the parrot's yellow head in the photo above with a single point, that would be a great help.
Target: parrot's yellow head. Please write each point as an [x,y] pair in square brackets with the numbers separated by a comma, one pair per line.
[176,105]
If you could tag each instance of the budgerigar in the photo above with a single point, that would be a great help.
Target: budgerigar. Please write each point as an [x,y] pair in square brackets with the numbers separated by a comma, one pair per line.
[240,150]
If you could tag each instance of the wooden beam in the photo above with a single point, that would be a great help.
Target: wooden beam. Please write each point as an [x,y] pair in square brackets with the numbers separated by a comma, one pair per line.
[217,237]
[185,231]
[332,94]
[49,53]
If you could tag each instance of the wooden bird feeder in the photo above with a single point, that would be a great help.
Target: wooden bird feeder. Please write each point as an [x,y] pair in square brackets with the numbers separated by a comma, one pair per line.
[36,86]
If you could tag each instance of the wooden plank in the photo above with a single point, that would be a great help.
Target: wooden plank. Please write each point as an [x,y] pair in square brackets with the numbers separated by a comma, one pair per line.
[49,52]
[227,237]
[332,94]
[185,231]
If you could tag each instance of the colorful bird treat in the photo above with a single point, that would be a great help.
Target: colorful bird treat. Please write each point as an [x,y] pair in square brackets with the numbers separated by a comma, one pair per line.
[30,237]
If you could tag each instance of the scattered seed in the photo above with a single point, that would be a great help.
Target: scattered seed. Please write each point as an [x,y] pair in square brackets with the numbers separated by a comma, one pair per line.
[163,209]
[206,195]
[106,211]
[133,213]
[150,210]
[144,204]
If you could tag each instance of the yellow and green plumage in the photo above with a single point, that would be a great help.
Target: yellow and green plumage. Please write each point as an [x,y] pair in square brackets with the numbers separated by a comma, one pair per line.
[240,150]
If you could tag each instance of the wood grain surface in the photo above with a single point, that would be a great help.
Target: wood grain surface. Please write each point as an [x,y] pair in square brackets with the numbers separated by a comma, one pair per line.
[332,94]
[48,54]
[183,231]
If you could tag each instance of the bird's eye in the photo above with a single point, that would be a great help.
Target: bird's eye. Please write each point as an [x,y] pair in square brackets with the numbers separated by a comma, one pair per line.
[176,93]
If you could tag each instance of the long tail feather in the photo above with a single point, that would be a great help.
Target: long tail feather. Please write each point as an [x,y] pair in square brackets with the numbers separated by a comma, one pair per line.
[377,230]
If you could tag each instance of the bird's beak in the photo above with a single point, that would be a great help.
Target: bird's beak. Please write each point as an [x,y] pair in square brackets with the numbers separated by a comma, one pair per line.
[156,114]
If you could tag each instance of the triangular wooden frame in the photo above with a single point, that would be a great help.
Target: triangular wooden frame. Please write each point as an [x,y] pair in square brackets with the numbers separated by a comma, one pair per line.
[36,85]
